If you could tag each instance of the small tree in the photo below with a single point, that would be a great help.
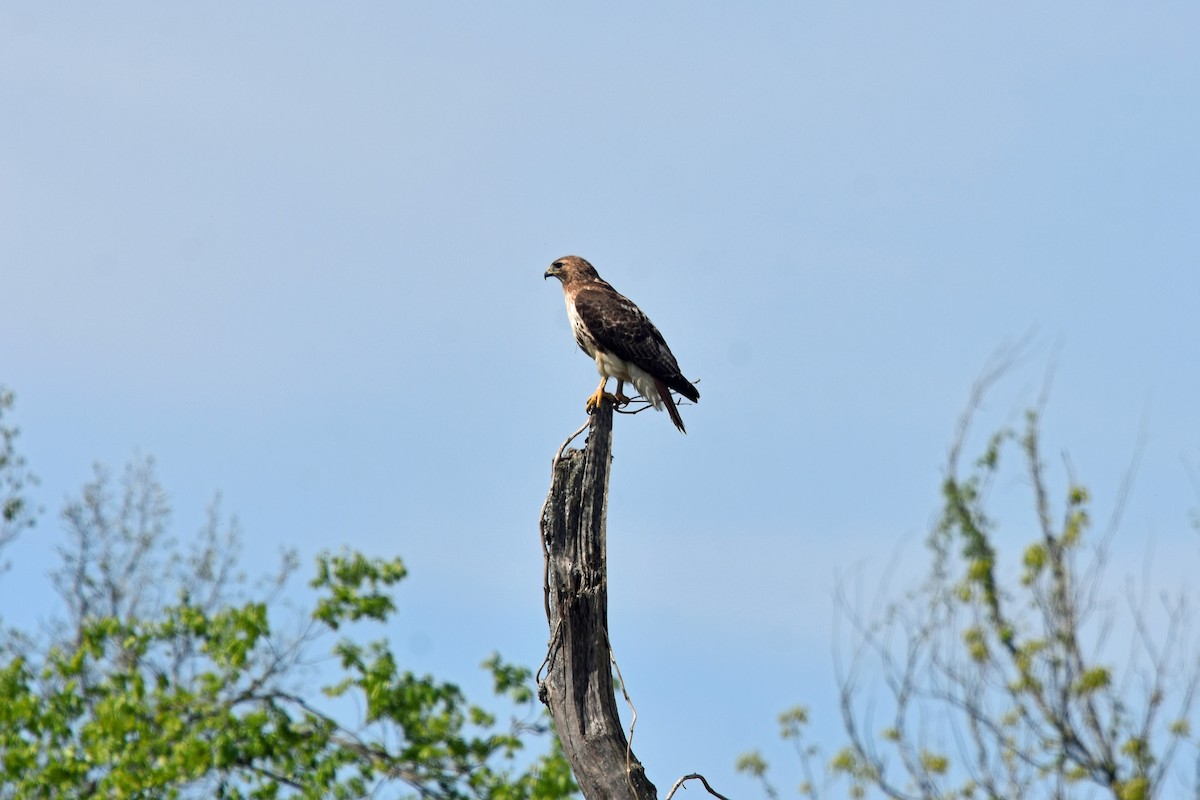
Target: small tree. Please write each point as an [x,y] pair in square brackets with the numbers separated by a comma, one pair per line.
[1006,691]
[168,674]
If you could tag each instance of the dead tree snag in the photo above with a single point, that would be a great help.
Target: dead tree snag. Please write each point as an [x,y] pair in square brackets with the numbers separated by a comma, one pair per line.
[578,684]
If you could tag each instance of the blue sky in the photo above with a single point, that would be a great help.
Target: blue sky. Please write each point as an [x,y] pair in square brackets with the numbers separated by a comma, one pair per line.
[295,252]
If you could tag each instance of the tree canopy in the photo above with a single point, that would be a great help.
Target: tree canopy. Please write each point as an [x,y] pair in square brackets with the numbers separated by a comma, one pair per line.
[998,675]
[167,673]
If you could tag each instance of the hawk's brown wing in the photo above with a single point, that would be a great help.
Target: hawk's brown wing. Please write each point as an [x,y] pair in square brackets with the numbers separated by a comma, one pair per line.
[621,328]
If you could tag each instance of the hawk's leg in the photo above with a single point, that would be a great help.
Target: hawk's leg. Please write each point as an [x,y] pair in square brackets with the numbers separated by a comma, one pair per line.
[619,398]
[600,395]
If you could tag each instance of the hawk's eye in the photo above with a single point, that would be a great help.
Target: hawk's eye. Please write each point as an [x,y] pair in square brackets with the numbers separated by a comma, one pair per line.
[557,265]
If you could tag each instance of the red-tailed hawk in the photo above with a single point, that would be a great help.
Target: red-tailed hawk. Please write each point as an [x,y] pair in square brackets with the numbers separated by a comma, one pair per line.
[623,340]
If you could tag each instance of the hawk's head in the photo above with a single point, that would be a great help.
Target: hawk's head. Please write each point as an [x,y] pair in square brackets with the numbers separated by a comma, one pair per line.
[572,268]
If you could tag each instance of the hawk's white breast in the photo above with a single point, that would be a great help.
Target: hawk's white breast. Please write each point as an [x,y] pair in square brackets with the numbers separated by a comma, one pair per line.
[578,328]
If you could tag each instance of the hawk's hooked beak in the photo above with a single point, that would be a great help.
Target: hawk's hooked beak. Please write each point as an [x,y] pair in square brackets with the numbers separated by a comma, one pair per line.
[553,270]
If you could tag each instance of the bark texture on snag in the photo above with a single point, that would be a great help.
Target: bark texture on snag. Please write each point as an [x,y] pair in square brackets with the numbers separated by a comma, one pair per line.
[578,686]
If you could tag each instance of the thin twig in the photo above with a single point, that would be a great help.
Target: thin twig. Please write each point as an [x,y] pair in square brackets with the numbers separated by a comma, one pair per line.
[633,723]
[645,404]
[558,456]
[999,364]
[551,649]
[696,777]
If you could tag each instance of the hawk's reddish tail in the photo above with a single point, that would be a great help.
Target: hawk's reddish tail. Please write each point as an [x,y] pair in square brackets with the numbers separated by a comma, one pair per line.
[664,392]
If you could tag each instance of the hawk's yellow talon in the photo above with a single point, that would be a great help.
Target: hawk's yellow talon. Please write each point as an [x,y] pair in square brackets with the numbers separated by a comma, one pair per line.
[596,399]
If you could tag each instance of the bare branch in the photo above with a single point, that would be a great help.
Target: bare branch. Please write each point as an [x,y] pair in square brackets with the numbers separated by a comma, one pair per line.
[695,777]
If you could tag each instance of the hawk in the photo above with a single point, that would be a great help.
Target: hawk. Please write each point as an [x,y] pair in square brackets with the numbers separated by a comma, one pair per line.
[622,339]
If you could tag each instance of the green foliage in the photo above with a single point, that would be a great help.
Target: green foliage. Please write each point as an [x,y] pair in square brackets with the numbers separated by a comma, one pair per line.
[1093,680]
[1134,789]
[976,642]
[354,585]
[1035,561]
[169,677]
[860,772]
[934,763]
[752,764]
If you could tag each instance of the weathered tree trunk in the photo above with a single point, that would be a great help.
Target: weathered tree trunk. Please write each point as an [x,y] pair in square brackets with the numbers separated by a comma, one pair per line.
[578,686]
